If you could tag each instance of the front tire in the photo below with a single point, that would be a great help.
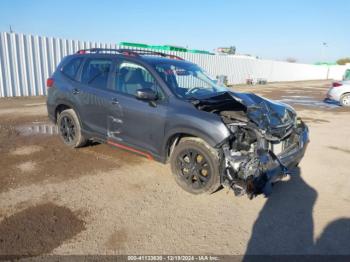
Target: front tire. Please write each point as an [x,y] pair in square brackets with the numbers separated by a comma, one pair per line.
[69,129]
[195,166]
[345,100]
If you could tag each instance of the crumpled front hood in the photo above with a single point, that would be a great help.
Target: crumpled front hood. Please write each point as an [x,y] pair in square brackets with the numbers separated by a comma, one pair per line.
[273,117]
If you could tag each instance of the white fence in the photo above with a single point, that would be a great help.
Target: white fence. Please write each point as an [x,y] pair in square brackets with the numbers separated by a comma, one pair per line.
[26,61]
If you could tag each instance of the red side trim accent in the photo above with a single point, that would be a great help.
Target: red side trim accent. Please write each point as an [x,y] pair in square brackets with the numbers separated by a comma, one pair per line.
[147,155]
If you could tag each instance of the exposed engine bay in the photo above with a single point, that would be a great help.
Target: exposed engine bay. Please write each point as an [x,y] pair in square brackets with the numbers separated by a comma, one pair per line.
[267,140]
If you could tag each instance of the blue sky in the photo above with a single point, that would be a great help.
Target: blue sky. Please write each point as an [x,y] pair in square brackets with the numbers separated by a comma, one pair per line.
[269,29]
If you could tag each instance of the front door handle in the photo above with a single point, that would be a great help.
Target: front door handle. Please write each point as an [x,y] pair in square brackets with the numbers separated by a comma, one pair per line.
[75,91]
[115,101]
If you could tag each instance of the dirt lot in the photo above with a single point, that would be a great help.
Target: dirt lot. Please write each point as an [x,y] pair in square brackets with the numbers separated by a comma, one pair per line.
[102,200]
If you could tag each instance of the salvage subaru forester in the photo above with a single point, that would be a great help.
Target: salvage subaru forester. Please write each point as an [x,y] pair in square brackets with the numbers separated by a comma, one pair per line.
[165,108]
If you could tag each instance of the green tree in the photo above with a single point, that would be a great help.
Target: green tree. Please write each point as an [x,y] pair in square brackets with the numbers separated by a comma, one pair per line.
[343,61]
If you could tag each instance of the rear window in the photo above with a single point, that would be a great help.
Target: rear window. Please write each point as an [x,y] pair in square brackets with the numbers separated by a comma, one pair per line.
[95,73]
[71,69]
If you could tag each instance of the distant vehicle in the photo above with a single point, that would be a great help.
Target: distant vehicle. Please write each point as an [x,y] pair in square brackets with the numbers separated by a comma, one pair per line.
[340,92]
[165,108]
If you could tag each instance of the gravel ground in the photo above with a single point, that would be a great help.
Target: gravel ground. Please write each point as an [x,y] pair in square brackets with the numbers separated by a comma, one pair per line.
[102,200]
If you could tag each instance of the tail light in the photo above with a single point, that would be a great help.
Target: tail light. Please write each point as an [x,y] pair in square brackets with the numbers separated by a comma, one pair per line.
[49,82]
[336,84]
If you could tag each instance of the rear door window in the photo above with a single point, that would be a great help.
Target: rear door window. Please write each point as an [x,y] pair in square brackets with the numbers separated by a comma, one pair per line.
[71,68]
[95,73]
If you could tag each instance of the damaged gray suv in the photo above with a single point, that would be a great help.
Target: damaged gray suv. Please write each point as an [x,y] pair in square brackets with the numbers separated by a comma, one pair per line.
[168,109]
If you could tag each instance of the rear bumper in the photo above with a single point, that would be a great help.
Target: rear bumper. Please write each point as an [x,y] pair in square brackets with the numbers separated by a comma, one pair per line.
[334,94]
[330,97]
[51,112]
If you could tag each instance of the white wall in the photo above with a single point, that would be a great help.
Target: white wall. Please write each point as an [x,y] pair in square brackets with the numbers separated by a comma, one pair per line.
[26,62]
[239,69]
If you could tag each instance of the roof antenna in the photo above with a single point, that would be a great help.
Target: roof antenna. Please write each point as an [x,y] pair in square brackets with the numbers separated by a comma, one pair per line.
[11,31]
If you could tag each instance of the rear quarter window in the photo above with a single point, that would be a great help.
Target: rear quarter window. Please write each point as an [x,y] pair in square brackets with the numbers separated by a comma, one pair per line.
[71,68]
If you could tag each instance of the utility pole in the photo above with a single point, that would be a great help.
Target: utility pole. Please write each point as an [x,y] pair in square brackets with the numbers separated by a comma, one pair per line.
[325,45]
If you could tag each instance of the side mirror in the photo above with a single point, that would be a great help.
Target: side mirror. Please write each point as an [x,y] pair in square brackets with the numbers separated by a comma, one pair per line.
[146,94]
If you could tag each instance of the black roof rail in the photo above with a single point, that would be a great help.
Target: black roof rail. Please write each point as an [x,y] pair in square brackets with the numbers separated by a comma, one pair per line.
[130,52]
[150,52]
[98,50]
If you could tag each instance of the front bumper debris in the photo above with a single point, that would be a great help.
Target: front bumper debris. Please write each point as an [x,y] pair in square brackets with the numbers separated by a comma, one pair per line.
[283,164]
[272,167]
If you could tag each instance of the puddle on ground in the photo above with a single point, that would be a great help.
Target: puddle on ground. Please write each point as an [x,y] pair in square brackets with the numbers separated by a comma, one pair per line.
[307,101]
[297,97]
[37,128]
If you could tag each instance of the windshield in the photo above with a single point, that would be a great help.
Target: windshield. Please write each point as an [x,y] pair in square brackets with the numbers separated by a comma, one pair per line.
[189,81]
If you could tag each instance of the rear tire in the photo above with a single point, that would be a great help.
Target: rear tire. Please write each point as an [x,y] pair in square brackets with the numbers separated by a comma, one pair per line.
[345,99]
[69,129]
[195,166]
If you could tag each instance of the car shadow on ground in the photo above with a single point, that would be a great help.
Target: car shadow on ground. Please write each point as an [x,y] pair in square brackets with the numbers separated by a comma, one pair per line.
[285,224]
[331,102]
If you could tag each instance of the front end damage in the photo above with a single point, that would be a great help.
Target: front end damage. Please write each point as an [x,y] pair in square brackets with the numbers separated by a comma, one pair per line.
[252,161]
[267,141]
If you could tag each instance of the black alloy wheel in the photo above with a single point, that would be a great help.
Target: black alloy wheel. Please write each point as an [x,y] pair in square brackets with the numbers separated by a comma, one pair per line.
[67,129]
[70,129]
[193,168]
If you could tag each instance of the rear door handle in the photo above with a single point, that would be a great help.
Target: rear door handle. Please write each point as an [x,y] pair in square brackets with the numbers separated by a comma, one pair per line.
[115,101]
[75,91]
